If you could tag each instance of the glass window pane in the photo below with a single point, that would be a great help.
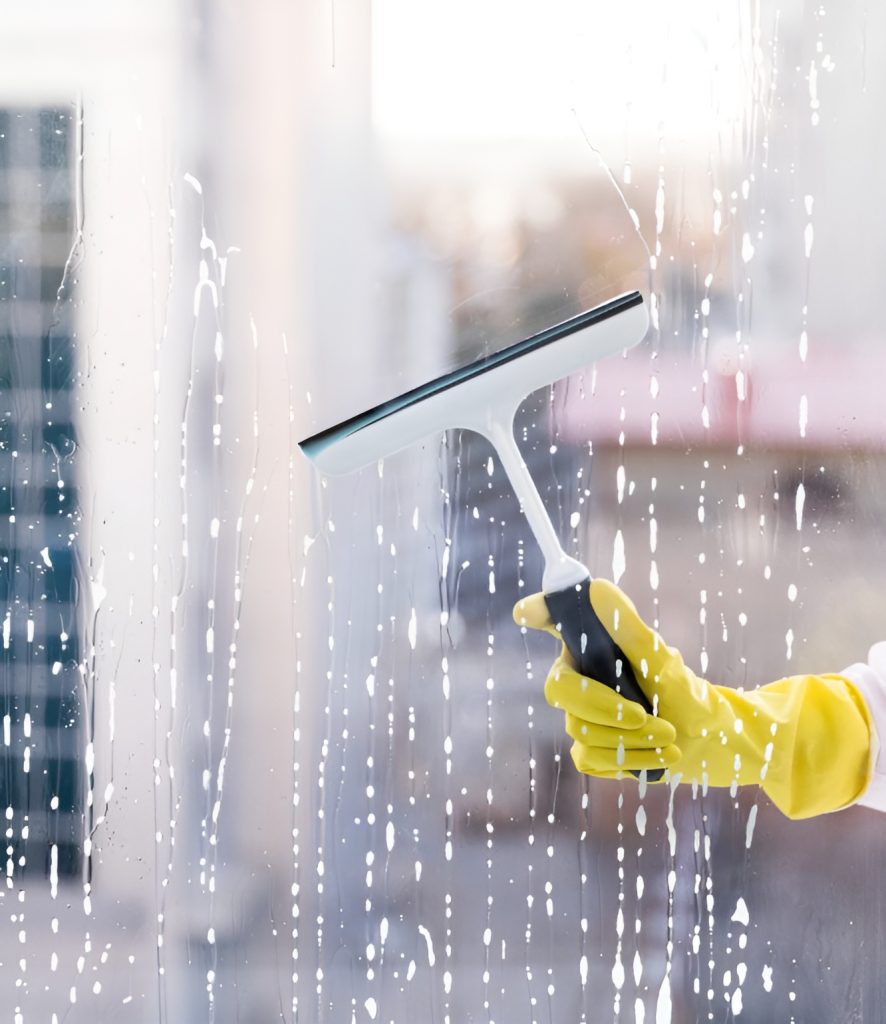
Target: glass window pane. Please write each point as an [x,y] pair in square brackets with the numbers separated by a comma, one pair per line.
[272,745]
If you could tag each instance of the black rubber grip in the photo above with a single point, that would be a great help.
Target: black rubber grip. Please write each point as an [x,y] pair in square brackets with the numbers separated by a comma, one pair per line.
[596,654]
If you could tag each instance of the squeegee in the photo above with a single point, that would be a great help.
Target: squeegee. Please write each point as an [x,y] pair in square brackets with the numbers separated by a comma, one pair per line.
[484,397]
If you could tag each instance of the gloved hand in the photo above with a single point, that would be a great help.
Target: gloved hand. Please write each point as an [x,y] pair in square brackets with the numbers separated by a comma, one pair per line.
[807,740]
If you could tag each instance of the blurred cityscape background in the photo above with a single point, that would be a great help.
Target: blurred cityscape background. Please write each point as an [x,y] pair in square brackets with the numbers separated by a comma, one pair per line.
[272,746]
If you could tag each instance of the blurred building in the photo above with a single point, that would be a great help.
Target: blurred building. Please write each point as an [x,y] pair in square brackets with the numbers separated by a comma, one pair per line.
[77,162]
[43,779]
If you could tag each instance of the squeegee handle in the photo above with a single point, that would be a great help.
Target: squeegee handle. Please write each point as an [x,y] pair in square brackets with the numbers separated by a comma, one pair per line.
[596,654]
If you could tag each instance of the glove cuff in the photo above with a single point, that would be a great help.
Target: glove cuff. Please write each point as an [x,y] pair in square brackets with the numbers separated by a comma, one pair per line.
[823,747]
[870,681]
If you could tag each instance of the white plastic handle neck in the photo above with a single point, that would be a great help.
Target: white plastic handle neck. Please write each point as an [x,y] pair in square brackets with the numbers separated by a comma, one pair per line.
[560,571]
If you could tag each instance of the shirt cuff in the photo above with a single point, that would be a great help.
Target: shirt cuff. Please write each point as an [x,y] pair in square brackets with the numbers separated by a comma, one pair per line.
[870,680]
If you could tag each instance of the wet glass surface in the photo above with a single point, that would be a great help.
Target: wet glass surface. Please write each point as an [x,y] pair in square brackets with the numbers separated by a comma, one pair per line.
[273,748]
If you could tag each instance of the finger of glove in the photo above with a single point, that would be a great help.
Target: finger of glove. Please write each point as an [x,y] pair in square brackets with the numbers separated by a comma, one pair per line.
[533,613]
[589,700]
[655,733]
[593,760]
[642,646]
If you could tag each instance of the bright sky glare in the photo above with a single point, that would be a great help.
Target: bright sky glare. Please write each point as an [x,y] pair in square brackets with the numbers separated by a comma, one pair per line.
[499,69]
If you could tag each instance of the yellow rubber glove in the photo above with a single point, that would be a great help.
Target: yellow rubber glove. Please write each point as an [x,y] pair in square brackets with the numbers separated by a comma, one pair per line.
[807,740]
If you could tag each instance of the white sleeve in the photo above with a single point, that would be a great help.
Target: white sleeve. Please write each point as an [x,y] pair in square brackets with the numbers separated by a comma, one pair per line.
[870,679]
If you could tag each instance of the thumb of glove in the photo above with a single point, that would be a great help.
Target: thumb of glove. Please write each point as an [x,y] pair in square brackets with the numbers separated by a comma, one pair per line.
[533,613]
